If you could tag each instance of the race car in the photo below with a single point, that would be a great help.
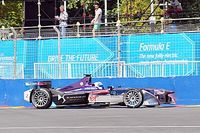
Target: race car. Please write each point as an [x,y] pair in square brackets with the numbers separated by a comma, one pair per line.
[41,95]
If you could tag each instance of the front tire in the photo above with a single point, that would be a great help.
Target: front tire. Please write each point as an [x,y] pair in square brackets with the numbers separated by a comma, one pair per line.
[133,98]
[41,98]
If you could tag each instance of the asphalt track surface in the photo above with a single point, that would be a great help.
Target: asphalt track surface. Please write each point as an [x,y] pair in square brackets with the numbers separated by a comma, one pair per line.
[104,120]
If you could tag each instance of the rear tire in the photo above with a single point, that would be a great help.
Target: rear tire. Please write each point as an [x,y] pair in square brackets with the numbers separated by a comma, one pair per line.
[41,98]
[133,98]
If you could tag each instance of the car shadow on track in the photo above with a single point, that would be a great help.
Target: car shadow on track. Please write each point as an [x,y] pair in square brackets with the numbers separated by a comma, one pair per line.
[106,106]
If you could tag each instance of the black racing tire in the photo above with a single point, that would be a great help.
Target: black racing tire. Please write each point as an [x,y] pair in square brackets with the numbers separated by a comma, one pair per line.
[133,98]
[41,98]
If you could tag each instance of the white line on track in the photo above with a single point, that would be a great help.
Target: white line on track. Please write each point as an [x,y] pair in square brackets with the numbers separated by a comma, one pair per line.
[93,127]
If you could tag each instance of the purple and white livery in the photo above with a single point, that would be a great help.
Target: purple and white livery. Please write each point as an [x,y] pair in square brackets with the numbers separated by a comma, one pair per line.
[41,95]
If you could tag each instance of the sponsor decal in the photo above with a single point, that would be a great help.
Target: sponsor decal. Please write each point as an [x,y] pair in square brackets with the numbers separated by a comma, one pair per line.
[93,98]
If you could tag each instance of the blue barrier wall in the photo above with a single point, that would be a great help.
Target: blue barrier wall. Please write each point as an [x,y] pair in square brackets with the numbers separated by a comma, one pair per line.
[186,88]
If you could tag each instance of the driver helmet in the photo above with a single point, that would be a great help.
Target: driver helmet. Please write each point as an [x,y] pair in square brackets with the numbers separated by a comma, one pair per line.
[99,85]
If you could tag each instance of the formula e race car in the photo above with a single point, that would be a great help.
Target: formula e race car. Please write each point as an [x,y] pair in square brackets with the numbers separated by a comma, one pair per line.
[41,95]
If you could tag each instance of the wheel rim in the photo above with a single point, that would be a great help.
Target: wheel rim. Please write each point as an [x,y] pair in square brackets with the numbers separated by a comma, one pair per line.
[40,98]
[133,98]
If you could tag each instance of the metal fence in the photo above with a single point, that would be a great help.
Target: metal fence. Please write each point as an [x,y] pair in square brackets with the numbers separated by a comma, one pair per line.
[163,69]
[77,69]
[10,71]
[111,53]
[107,29]
[110,69]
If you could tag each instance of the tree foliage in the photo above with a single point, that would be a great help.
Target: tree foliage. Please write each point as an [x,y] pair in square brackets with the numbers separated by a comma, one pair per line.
[11,14]
[135,9]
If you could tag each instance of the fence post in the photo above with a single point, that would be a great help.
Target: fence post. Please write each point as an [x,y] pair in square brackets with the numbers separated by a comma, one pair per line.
[59,53]
[35,71]
[124,70]
[69,70]
[78,29]
[162,24]
[119,49]
[162,69]
[39,20]
[152,22]
[14,52]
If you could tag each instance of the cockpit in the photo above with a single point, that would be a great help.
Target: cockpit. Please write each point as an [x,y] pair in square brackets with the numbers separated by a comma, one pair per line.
[99,85]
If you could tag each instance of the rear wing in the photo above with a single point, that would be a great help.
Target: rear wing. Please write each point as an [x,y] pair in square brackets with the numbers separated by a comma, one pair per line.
[40,84]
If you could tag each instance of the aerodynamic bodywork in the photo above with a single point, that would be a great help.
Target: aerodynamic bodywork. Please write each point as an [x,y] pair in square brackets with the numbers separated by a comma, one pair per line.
[41,95]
